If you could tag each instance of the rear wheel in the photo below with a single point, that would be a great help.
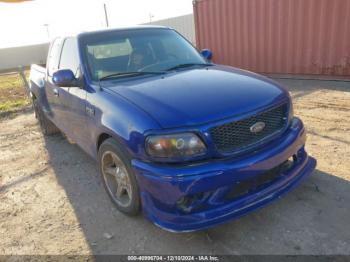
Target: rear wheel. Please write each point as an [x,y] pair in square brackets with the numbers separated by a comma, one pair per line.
[46,126]
[118,177]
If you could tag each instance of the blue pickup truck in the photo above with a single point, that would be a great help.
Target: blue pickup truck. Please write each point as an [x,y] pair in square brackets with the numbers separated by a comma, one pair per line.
[190,143]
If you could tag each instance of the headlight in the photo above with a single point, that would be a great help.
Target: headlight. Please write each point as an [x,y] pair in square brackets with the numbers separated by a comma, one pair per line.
[174,146]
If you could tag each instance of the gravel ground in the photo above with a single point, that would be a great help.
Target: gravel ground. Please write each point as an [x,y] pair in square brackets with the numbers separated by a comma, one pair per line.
[52,200]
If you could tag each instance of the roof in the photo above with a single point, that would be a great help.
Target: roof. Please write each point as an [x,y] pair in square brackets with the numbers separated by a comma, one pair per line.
[139,27]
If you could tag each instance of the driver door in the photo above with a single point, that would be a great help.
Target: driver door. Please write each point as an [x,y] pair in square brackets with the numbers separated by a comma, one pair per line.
[73,99]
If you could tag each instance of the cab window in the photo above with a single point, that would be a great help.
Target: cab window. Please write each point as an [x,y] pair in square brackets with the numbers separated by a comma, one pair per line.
[54,56]
[70,56]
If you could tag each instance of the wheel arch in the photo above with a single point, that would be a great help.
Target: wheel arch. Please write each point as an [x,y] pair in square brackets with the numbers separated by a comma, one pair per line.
[101,138]
[32,95]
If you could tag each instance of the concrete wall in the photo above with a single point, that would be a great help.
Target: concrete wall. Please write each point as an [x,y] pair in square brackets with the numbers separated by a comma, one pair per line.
[183,24]
[23,56]
[36,54]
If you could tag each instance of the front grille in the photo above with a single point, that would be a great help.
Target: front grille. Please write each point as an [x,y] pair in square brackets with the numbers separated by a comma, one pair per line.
[237,135]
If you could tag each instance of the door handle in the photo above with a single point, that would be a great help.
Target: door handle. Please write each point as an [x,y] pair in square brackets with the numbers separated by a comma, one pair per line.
[55,92]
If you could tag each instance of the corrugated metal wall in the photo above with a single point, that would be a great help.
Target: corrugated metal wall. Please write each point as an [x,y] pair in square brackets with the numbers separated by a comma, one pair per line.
[277,36]
[183,24]
[23,56]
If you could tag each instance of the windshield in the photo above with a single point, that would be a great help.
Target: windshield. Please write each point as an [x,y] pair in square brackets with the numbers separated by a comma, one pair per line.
[139,50]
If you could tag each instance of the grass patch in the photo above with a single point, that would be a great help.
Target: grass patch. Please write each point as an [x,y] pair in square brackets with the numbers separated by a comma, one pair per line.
[14,105]
[13,96]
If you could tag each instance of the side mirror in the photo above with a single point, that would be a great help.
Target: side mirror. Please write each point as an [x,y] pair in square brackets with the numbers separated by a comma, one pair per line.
[207,54]
[64,78]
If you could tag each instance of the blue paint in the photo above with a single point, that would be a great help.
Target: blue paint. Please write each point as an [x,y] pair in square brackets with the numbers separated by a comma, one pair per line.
[207,54]
[190,99]
[63,78]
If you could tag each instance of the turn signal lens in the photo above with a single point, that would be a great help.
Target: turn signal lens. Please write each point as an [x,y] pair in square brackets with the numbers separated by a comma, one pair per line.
[175,146]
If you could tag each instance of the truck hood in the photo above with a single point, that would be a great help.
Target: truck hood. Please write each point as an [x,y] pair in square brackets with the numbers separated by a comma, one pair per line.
[199,95]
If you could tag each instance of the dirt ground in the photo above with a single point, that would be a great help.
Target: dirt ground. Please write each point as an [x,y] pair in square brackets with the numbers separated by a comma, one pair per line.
[52,200]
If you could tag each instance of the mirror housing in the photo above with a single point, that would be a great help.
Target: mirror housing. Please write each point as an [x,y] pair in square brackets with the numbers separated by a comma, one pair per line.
[207,54]
[64,78]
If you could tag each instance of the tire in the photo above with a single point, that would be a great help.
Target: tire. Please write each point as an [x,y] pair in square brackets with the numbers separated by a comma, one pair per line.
[112,158]
[47,127]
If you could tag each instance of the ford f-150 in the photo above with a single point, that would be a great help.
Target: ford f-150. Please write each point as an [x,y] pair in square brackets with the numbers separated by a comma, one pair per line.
[190,143]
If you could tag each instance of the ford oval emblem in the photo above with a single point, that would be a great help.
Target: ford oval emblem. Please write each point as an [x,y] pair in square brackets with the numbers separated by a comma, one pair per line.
[257,127]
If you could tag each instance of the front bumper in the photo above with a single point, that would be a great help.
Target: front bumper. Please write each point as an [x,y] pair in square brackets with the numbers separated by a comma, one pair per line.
[164,187]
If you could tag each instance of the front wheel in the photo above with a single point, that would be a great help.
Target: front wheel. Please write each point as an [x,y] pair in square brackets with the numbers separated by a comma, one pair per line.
[118,177]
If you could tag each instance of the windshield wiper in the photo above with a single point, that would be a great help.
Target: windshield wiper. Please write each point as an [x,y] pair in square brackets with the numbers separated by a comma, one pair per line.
[188,65]
[130,74]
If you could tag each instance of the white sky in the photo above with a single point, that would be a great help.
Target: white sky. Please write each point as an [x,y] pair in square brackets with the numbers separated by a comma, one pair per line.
[23,23]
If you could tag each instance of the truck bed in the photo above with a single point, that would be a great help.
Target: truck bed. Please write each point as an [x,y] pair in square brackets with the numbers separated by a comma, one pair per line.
[37,75]
[37,79]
